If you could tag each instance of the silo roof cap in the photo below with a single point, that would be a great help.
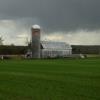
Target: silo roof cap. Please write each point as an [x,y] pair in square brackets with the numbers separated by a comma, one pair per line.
[36,27]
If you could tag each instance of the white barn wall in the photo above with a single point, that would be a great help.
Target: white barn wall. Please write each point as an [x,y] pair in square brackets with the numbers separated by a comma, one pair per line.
[49,49]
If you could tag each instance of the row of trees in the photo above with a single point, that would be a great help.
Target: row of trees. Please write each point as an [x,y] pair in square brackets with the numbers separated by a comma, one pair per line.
[86,49]
[76,49]
[13,50]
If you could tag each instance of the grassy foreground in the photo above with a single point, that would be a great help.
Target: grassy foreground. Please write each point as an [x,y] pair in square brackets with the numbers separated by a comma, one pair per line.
[50,79]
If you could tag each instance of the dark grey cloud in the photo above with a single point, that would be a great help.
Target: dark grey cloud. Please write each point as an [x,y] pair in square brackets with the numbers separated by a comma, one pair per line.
[54,15]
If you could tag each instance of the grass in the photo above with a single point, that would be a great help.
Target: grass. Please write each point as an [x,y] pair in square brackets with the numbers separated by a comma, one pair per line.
[50,79]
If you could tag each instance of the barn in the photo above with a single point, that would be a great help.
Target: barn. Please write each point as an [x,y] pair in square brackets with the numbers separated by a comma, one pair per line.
[47,49]
[55,49]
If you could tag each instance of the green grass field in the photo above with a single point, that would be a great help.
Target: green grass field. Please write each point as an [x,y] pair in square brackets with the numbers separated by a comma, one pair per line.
[50,79]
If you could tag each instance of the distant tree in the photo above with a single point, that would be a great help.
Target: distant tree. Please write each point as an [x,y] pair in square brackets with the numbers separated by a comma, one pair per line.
[1,41]
[27,42]
[12,44]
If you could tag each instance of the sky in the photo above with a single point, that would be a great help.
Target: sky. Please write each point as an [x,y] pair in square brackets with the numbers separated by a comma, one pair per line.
[75,22]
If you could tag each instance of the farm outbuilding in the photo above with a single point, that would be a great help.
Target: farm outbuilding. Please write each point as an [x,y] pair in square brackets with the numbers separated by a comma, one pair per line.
[55,49]
[47,49]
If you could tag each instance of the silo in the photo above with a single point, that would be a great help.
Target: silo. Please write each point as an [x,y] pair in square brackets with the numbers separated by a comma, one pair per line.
[35,41]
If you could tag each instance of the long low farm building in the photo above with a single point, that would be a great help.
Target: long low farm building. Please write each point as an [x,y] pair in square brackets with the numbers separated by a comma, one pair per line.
[55,49]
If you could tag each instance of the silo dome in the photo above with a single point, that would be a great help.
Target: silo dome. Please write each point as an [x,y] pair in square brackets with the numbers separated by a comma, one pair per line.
[36,27]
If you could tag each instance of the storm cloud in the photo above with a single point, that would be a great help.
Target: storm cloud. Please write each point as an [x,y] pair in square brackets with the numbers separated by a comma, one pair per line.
[53,15]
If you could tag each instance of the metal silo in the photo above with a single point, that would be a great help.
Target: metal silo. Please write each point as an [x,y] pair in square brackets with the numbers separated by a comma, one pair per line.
[35,41]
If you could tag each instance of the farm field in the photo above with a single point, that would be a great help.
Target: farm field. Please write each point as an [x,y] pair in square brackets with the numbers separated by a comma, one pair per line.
[60,79]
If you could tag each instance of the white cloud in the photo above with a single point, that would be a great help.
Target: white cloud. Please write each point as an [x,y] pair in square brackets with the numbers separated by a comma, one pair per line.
[14,32]
[80,37]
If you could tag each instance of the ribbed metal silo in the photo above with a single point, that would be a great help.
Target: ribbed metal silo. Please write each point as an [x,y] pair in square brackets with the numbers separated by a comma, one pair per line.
[35,41]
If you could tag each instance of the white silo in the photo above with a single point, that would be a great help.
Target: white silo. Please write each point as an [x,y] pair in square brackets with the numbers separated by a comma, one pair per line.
[36,30]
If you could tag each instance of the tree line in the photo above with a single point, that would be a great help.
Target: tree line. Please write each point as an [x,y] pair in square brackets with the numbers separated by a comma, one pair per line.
[12,50]
[76,49]
[86,49]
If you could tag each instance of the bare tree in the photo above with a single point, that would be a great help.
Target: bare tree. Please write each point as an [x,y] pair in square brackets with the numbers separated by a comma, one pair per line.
[1,41]
[27,41]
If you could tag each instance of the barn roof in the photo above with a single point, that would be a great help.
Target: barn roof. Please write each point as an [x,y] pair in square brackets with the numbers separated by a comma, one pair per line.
[55,45]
